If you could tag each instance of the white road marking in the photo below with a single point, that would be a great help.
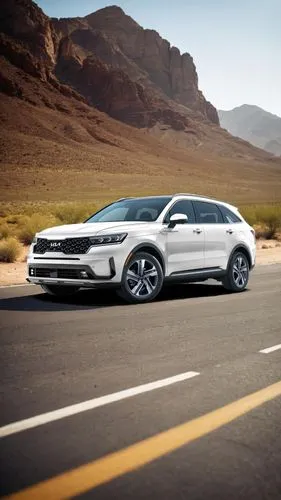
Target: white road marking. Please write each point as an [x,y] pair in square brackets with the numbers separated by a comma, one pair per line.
[68,411]
[271,349]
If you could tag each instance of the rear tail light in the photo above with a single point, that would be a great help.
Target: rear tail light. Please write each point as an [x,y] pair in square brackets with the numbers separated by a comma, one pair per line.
[253,233]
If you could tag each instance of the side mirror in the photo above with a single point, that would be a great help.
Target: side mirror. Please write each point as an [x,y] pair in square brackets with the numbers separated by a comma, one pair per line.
[177,219]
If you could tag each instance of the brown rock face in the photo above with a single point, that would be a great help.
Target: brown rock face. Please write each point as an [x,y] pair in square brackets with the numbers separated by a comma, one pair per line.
[154,59]
[117,66]
[24,21]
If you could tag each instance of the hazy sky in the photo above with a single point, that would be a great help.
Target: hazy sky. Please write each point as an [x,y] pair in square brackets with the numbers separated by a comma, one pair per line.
[236,44]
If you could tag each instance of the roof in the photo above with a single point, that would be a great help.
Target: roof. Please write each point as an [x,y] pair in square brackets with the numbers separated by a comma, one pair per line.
[193,195]
[203,197]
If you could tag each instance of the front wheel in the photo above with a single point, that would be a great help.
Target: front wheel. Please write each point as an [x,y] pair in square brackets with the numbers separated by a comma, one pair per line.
[142,278]
[238,271]
[60,290]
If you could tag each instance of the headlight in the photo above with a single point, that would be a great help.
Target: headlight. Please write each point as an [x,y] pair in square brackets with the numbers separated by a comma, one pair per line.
[34,241]
[108,239]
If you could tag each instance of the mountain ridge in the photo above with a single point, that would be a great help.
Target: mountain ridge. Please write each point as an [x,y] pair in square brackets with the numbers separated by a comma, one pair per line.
[254,124]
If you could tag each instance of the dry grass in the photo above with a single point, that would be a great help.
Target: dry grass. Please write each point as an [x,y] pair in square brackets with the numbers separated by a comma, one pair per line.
[10,249]
[33,224]
[73,213]
[5,231]
[266,219]
[23,221]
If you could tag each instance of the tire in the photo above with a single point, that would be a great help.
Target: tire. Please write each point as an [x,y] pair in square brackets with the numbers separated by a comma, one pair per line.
[142,278]
[60,290]
[237,276]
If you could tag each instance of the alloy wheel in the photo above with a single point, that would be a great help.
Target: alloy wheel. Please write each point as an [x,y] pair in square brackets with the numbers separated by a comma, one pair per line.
[240,271]
[142,278]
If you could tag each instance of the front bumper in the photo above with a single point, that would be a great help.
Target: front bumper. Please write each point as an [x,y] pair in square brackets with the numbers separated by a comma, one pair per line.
[103,266]
[65,274]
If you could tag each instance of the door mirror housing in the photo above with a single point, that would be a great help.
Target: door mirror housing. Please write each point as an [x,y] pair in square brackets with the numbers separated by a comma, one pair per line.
[177,219]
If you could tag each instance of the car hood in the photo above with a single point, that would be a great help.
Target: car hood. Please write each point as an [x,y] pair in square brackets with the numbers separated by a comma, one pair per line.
[94,228]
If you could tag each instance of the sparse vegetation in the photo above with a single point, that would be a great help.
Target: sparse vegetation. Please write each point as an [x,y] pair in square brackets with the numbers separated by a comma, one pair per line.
[10,249]
[271,218]
[36,217]
[5,231]
[33,224]
[266,219]
[73,213]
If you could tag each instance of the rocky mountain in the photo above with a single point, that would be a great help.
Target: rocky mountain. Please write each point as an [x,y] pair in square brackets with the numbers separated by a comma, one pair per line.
[254,124]
[96,108]
[105,62]
[139,69]
[120,68]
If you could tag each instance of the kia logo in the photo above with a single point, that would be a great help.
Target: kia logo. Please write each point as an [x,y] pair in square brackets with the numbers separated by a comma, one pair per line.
[55,244]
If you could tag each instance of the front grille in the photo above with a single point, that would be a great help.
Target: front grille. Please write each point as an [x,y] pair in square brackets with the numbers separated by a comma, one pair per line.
[69,246]
[50,272]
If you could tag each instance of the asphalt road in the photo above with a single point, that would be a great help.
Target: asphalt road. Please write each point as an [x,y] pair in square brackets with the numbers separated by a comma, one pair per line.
[57,353]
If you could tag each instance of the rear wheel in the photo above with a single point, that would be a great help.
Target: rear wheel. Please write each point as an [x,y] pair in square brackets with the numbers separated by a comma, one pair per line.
[60,290]
[237,276]
[142,278]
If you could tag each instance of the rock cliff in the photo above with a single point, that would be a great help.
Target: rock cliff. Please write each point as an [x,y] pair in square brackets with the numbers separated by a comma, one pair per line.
[113,63]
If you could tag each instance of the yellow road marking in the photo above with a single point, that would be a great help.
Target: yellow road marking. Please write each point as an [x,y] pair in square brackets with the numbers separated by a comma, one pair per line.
[103,470]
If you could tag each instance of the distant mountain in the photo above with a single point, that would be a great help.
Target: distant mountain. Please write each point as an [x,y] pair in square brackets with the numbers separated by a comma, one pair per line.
[255,125]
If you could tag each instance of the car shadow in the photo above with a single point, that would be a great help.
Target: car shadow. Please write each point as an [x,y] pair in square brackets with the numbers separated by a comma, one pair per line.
[96,299]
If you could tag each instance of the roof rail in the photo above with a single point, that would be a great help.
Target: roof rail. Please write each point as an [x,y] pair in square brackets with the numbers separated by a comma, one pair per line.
[206,197]
[192,194]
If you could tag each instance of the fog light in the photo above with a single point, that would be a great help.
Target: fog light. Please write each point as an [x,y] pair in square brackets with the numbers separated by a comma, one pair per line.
[83,274]
[31,272]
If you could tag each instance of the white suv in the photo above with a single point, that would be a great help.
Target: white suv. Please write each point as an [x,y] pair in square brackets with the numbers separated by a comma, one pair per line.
[137,244]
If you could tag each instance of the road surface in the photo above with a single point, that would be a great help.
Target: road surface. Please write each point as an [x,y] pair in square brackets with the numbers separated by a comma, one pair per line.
[132,382]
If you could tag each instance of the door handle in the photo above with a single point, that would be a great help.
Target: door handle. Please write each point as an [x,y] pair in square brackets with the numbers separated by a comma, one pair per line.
[229,231]
[197,230]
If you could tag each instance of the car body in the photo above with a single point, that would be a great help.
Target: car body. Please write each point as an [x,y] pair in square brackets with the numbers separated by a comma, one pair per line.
[138,243]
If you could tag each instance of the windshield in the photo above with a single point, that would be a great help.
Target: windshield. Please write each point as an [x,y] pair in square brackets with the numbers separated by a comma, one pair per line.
[135,209]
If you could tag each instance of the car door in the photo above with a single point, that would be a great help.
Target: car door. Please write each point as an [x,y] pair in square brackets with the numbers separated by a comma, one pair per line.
[209,217]
[185,242]
[237,232]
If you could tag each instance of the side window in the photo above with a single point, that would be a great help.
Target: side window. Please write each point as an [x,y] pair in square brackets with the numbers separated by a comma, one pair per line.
[182,207]
[229,216]
[207,213]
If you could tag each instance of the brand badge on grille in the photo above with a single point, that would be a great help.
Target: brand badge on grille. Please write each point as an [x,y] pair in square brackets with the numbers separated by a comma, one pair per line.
[55,244]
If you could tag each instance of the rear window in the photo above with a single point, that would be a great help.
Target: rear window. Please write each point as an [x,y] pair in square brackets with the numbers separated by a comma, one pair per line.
[229,216]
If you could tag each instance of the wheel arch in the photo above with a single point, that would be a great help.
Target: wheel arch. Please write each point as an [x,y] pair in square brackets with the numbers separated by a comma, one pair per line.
[153,250]
[243,249]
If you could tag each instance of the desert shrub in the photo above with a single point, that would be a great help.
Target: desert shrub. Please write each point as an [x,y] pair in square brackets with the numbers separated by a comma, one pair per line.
[261,232]
[271,218]
[10,249]
[13,219]
[5,231]
[31,225]
[266,219]
[73,213]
